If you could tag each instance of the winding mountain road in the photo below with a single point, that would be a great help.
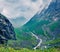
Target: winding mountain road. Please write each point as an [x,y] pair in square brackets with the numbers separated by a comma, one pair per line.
[39,44]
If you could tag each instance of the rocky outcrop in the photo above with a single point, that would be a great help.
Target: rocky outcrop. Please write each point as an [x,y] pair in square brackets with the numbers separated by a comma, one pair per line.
[6,30]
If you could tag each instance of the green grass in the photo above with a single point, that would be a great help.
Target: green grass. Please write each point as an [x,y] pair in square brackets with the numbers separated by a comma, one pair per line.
[53,41]
[2,49]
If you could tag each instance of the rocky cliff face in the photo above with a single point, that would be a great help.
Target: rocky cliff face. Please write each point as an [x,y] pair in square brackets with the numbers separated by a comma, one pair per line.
[6,29]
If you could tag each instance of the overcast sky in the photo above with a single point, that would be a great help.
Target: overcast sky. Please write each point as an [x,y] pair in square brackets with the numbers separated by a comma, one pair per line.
[25,8]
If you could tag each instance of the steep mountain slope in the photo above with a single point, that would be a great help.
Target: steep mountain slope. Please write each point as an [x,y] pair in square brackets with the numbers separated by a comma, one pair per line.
[6,30]
[45,17]
[45,25]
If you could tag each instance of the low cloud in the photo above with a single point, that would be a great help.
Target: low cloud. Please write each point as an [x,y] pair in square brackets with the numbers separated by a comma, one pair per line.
[15,8]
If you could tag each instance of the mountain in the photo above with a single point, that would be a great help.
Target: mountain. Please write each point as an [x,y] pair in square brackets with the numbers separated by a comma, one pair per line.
[43,26]
[46,17]
[6,30]
[17,22]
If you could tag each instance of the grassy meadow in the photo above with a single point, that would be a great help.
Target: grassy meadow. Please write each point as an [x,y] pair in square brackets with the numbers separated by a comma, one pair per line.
[9,49]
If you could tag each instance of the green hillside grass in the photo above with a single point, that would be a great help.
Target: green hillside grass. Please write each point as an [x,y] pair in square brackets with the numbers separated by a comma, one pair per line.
[53,41]
[2,49]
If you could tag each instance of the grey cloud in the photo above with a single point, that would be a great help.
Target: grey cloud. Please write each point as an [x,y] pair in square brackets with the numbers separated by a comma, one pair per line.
[33,0]
[24,8]
[12,1]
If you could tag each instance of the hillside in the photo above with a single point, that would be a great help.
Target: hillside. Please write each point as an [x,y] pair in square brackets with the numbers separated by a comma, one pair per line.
[42,31]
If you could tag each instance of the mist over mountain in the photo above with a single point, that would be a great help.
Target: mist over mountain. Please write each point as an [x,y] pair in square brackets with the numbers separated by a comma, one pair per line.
[18,22]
